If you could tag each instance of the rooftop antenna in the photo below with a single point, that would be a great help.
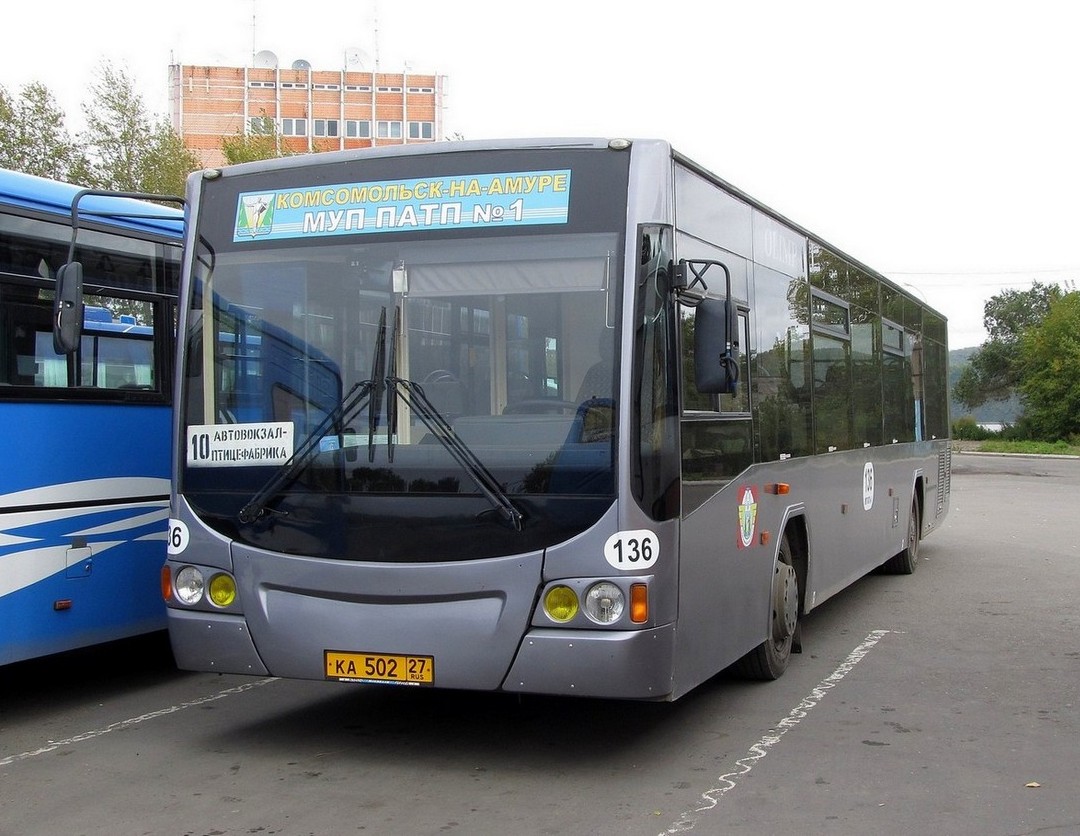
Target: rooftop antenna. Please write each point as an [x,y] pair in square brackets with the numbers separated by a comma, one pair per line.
[356,59]
[253,36]
[376,28]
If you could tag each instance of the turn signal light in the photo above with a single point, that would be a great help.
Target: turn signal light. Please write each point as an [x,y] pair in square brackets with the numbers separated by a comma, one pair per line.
[639,603]
[166,583]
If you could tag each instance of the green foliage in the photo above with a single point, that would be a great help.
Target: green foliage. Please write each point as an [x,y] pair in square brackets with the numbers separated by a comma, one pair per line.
[996,369]
[128,149]
[33,139]
[262,143]
[968,429]
[1050,356]
[1033,448]
[123,146]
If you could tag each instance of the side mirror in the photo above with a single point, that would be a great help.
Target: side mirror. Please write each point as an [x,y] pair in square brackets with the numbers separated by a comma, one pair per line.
[68,308]
[716,347]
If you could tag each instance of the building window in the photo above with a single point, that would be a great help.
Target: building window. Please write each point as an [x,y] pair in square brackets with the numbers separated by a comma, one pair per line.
[326,127]
[327,86]
[294,85]
[261,84]
[260,126]
[421,130]
[388,130]
[358,128]
[294,127]
[421,89]
[358,88]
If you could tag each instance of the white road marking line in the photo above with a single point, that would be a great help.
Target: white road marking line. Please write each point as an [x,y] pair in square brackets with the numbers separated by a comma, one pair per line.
[726,782]
[134,721]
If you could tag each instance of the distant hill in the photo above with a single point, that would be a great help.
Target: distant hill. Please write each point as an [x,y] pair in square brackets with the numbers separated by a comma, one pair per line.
[994,412]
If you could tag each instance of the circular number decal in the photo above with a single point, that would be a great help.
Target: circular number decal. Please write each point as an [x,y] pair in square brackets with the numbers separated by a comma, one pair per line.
[630,551]
[868,486]
[178,537]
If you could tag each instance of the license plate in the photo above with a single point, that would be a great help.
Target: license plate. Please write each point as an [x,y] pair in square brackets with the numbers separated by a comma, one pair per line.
[379,667]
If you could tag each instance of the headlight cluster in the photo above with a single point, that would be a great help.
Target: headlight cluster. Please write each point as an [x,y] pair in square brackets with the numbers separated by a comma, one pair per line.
[190,587]
[602,602]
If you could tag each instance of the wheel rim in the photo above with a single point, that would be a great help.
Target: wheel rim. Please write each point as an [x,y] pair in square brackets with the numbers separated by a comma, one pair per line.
[785,613]
[913,532]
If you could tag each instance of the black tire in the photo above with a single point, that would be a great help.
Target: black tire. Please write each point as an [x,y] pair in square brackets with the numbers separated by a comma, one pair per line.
[770,659]
[905,562]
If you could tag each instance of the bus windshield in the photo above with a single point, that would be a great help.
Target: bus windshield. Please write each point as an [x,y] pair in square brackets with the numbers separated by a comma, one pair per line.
[429,388]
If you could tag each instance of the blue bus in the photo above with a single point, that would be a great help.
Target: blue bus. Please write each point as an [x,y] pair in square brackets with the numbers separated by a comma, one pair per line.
[84,486]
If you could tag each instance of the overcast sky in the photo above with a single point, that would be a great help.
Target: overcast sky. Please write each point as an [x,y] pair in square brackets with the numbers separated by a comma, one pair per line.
[935,140]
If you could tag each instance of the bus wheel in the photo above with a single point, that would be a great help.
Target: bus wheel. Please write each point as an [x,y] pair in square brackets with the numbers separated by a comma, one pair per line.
[904,562]
[770,658]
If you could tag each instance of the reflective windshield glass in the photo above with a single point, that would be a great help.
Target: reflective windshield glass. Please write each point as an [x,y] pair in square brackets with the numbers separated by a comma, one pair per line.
[465,387]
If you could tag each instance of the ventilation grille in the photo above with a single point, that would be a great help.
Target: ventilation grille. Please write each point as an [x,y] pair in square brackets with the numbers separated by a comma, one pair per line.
[944,477]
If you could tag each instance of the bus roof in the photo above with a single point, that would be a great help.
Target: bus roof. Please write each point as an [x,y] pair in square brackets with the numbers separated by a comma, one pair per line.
[54,197]
[544,143]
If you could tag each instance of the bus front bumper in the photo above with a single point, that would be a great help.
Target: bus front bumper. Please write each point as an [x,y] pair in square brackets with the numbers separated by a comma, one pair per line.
[631,664]
[203,641]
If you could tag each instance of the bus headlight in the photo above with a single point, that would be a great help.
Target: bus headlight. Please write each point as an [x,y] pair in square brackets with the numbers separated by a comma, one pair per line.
[189,585]
[560,603]
[604,602]
[222,590]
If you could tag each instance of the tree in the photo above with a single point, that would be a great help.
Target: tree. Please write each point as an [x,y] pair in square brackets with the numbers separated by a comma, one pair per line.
[995,370]
[1050,386]
[128,149]
[261,142]
[167,162]
[33,138]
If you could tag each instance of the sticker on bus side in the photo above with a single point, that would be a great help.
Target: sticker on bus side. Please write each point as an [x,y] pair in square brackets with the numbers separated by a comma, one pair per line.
[748,513]
[179,536]
[630,551]
[239,445]
[520,198]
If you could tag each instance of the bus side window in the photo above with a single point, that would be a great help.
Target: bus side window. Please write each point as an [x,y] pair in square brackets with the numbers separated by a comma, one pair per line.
[715,429]
[27,352]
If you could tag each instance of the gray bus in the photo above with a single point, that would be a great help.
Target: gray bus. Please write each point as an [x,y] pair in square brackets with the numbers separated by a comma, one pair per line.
[568,417]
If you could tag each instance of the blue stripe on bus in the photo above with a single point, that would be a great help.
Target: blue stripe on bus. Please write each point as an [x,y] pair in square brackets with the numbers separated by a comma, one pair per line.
[116,599]
[54,445]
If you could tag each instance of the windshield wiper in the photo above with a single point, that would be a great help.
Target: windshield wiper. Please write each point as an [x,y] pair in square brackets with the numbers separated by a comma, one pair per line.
[391,402]
[354,401]
[378,385]
[413,395]
[374,390]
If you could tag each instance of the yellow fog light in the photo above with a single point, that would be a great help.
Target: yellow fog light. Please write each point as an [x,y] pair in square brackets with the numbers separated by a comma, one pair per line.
[560,603]
[222,590]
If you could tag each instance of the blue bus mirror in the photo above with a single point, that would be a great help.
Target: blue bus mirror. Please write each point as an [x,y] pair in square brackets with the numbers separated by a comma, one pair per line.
[716,347]
[68,308]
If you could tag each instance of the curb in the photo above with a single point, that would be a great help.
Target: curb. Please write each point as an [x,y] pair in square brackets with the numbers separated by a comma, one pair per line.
[1016,455]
